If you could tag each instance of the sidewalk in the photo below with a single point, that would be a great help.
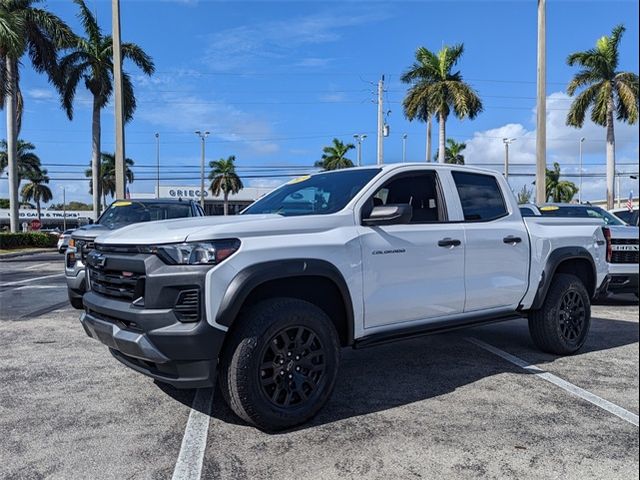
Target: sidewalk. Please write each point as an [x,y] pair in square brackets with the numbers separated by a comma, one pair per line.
[19,252]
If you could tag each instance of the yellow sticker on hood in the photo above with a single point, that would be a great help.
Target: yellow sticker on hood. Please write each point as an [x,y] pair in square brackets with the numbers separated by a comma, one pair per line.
[549,208]
[121,204]
[299,179]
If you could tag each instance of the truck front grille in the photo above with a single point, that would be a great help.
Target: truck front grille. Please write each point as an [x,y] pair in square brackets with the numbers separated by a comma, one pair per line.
[624,250]
[84,248]
[117,284]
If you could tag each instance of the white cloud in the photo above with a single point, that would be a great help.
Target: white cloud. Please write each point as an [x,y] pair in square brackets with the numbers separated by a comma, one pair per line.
[314,62]
[486,147]
[41,93]
[245,45]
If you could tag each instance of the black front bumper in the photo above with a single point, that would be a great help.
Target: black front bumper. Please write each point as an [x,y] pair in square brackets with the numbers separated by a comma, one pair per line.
[623,283]
[153,341]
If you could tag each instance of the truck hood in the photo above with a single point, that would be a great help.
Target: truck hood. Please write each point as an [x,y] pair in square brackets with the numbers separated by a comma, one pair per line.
[196,229]
[89,232]
[624,231]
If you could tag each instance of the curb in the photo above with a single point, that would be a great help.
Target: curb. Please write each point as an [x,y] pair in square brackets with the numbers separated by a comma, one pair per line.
[24,253]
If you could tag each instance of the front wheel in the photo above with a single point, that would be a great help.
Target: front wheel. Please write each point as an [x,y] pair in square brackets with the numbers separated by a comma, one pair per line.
[280,364]
[562,324]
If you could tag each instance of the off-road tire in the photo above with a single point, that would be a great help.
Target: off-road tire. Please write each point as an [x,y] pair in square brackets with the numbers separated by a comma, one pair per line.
[554,328]
[252,339]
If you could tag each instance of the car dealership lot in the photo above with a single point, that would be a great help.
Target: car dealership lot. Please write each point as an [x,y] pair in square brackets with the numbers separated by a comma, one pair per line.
[435,406]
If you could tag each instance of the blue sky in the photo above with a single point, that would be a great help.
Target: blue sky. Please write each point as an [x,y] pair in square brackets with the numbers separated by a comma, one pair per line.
[275,81]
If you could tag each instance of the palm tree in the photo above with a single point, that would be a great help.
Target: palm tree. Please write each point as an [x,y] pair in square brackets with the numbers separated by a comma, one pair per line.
[107,184]
[559,191]
[606,91]
[334,156]
[224,179]
[524,195]
[36,189]
[453,152]
[24,29]
[436,90]
[28,162]
[91,60]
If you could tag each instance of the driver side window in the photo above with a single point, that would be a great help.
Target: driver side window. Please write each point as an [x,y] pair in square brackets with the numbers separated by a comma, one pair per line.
[421,190]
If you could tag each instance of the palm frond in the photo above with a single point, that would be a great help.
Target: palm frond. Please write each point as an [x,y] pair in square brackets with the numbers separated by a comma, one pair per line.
[580,106]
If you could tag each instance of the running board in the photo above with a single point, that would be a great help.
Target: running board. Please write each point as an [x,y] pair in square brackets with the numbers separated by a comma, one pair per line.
[442,326]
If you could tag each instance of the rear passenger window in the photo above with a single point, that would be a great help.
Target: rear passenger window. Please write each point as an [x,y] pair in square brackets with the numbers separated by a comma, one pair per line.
[480,196]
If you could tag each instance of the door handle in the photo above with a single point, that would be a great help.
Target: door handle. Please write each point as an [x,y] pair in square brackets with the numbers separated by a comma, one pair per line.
[449,242]
[511,239]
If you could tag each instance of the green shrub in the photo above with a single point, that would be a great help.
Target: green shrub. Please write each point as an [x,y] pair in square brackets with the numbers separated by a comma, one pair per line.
[28,239]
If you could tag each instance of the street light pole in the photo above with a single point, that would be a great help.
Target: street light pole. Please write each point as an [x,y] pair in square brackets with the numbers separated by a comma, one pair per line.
[580,188]
[541,105]
[64,209]
[507,142]
[404,147]
[202,136]
[359,139]
[157,165]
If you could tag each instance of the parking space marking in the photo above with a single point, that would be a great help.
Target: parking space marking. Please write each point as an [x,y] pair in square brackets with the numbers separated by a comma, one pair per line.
[569,387]
[194,442]
[27,280]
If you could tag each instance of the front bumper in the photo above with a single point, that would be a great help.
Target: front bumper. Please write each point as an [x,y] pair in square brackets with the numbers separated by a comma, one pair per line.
[153,341]
[623,283]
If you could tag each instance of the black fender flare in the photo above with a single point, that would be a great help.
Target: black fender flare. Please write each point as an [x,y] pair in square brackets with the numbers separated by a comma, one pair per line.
[555,259]
[253,276]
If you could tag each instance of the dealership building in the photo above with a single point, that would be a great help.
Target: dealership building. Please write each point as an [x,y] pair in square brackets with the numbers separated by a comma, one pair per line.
[213,205]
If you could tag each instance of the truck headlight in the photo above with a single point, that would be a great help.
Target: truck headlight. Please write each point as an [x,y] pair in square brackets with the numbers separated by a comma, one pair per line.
[197,253]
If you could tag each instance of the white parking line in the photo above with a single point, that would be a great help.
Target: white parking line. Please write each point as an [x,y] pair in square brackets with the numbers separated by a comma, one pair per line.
[194,442]
[569,387]
[35,279]
[23,287]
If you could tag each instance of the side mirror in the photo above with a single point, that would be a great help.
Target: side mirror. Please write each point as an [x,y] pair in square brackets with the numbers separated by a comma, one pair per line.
[394,214]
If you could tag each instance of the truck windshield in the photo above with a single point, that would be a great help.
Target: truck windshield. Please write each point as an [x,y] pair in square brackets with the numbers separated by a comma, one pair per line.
[318,194]
[581,212]
[128,212]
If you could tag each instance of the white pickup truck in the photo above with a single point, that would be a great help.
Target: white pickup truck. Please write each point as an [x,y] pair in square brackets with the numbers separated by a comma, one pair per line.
[264,300]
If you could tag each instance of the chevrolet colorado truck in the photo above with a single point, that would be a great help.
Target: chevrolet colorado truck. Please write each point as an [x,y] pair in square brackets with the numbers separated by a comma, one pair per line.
[263,301]
[117,215]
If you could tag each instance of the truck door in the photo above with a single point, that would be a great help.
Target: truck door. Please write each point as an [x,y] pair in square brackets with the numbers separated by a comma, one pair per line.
[497,244]
[412,271]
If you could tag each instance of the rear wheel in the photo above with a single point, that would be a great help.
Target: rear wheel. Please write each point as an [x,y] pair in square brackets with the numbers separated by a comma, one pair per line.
[280,364]
[562,324]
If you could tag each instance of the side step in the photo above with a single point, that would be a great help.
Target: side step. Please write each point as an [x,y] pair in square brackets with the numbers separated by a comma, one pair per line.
[430,329]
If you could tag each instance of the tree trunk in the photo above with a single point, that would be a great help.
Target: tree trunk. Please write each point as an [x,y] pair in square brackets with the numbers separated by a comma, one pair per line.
[429,138]
[611,157]
[95,158]
[442,137]
[226,202]
[12,153]
[38,209]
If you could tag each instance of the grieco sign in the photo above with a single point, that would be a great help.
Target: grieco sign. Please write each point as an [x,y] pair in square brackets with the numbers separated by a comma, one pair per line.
[181,192]
[30,214]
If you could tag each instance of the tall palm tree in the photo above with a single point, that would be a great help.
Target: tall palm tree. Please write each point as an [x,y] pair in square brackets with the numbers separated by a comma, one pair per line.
[606,91]
[559,191]
[28,162]
[453,152]
[91,60]
[224,179]
[334,156]
[37,33]
[37,189]
[107,177]
[437,90]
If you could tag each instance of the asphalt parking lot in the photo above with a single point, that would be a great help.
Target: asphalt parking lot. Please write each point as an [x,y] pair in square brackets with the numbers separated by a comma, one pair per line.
[462,405]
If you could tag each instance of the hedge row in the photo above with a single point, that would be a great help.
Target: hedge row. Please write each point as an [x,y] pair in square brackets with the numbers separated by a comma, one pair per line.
[28,239]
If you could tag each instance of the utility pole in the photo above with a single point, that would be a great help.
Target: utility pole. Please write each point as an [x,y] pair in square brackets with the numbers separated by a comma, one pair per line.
[541,110]
[380,159]
[117,80]
[404,147]
[507,142]
[12,153]
[202,136]
[359,139]
[157,165]
[580,188]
